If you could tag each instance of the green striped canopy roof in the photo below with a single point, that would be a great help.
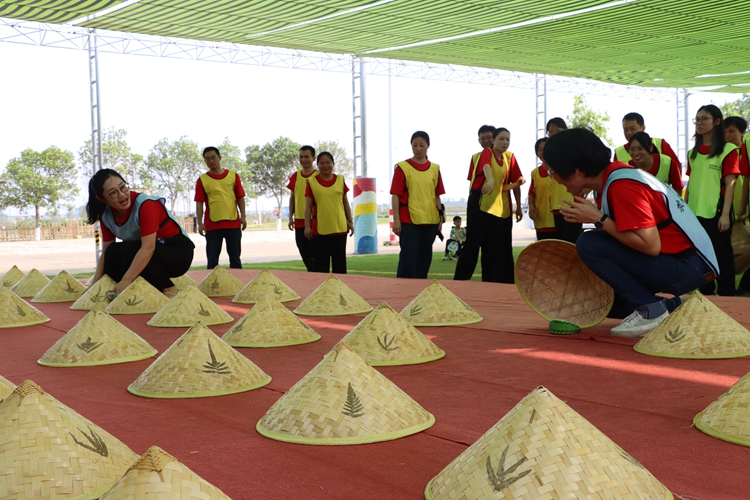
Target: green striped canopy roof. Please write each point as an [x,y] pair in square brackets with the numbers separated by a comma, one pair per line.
[663,43]
[53,11]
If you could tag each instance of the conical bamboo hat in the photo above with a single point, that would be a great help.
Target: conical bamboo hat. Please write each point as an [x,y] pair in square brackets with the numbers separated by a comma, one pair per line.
[184,281]
[343,400]
[543,449]
[220,283]
[438,306]
[333,298]
[556,284]
[199,364]
[51,452]
[98,339]
[11,277]
[62,288]
[263,284]
[30,284]
[697,329]
[14,311]
[406,345]
[6,387]
[269,324]
[188,307]
[728,418]
[140,297]
[156,475]
[96,295]
[740,247]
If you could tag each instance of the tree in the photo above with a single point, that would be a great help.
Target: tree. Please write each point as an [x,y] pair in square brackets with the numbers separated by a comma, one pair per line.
[116,154]
[583,116]
[40,180]
[740,107]
[271,165]
[342,164]
[231,159]
[174,168]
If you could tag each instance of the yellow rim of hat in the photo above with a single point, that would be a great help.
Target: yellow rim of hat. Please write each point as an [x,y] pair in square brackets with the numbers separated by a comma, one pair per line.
[199,394]
[706,429]
[312,339]
[24,308]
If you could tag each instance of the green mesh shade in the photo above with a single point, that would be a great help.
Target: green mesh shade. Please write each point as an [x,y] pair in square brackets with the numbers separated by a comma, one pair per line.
[53,11]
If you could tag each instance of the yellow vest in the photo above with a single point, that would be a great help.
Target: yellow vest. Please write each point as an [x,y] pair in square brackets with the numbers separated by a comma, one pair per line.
[330,215]
[495,203]
[704,188]
[621,154]
[421,188]
[543,190]
[222,202]
[300,183]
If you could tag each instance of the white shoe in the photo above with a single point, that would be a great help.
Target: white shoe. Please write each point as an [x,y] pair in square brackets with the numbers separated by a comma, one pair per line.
[636,325]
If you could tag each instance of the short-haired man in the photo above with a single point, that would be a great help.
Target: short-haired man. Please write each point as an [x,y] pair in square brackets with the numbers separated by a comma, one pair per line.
[221,191]
[632,123]
[297,184]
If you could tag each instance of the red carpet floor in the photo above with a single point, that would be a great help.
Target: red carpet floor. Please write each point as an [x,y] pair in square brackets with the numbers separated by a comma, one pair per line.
[645,404]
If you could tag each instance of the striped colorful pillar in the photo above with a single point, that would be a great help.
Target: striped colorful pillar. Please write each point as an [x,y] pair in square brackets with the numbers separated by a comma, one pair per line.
[365,216]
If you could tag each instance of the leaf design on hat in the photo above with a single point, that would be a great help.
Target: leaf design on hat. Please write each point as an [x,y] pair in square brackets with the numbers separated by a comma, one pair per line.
[239,326]
[342,300]
[352,406]
[98,297]
[89,345]
[97,445]
[500,480]
[202,311]
[386,344]
[133,301]
[276,290]
[415,309]
[673,336]
[8,283]
[215,285]
[215,366]
[70,288]
[21,312]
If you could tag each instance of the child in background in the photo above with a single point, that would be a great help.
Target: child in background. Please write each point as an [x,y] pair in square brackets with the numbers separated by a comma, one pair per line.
[540,197]
[458,235]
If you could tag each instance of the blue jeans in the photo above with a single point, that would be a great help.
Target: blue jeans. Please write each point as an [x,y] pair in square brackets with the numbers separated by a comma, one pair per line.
[415,257]
[637,277]
[214,240]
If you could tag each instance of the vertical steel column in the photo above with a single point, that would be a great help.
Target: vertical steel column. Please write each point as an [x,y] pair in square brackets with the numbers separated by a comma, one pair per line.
[540,86]
[96,136]
[683,124]
[358,115]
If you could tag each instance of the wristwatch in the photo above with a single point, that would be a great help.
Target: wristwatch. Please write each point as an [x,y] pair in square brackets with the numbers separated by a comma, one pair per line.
[600,223]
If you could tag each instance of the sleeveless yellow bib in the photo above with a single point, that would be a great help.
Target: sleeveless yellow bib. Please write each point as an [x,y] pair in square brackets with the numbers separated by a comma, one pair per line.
[222,202]
[300,184]
[704,188]
[421,187]
[543,190]
[495,203]
[330,215]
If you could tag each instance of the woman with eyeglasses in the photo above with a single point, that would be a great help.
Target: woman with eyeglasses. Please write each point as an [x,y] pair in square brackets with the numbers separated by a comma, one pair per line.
[153,245]
[644,155]
[713,167]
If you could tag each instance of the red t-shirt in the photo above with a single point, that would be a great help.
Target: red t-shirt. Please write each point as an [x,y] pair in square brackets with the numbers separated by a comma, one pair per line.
[298,223]
[399,188]
[511,175]
[309,194]
[675,174]
[200,196]
[729,166]
[634,205]
[151,215]
[744,161]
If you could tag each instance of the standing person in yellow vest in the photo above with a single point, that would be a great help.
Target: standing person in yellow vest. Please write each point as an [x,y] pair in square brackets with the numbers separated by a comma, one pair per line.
[633,123]
[417,212]
[298,185]
[541,191]
[221,191]
[645,156]
[734,132]
[713,166]
[328,217]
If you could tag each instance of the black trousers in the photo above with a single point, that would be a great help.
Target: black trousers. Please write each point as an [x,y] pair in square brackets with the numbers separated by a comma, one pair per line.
[567,231]
[305,247]
[170,260]
[329,253]
[547,235]
[415,257]
[722,242]
[214,240]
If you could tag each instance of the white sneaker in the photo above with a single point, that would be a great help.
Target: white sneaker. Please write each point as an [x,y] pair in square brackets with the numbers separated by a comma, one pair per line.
[636,325]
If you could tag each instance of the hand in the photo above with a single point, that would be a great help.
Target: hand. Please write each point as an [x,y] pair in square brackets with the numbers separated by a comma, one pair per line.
[350,225]
[519,213]
[308,233]
[397,227]
[243,223]
[290,224]
[533,213]
[520,182]
[121,286]
[201,229]
[724,223]
[580,210]
[488,186]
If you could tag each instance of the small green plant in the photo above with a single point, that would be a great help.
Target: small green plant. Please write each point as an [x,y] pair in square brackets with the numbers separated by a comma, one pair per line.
[353,406]
[415,309]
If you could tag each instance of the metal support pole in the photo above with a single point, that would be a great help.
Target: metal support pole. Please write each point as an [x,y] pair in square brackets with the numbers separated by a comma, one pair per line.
[540,87]
[683,124]
[96,136]
[358,116]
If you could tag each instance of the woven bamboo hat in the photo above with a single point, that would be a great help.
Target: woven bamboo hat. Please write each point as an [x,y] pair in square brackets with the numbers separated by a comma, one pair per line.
[740,247]
[333,298]
[188,307]
[140,297]
[264,284]
[728,418]
[438,306]
[555,282]
[51,452]
[184,281]
[220,283]
[62,288]
[697,329]
[343,400]
[199,364]
[98,339]
[269,324]
[11,277]
[156,475]
[6,387]
[543,449]
[96,295]
[30,284]
[384,338]
[14,311]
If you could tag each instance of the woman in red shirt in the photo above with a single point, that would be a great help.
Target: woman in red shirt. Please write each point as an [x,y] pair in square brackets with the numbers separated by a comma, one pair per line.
[153,245]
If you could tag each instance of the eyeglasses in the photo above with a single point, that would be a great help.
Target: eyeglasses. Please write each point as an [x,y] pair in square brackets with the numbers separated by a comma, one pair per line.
[124,189]
[550,171]
[702,119]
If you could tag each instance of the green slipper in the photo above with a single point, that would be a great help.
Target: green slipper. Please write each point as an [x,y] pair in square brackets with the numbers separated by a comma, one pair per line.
[562,327]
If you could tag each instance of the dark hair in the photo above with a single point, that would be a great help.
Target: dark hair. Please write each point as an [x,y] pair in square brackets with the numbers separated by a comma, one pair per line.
[308,148]
[634,116]
[718,141]
[422,134]
[558,122]
[325,153]
[95,207]
[209,149]
[538,142]
[485,128]
[498,130]
[576,148]
[736,121]
[643,139]
[456,218]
